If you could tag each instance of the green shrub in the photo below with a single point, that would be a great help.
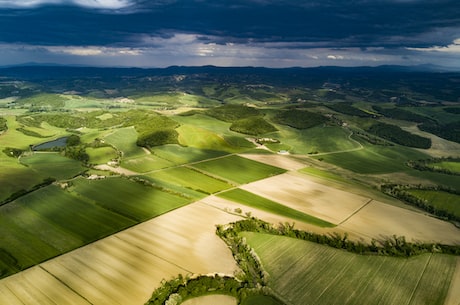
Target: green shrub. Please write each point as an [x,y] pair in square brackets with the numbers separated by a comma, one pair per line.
[399,136]
[299,119]
[158,137]
[231,113]
[253,126]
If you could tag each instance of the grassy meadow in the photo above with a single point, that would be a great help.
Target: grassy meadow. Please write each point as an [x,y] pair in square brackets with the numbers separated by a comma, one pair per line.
[124,140]
[191,178]
[238,169]
[53,165]
[128,198]
[373,159]
[440,200]
[307,273]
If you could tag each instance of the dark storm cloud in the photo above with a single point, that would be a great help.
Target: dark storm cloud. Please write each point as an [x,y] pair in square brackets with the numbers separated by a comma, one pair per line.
[228,28]
[335,23]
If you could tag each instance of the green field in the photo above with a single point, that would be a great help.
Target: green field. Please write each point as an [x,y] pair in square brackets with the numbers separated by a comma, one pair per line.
[53,165]
[15,176]
[101,155]
[319,139]
[238,169]
[374,159]
[51,221]
[191,178]
[124,139]
[440,200]
[264,204]
[177,154]
[221,128]
[307,273]
[131,199]
[198,137]
[452,166]
[146,163]
[260,300]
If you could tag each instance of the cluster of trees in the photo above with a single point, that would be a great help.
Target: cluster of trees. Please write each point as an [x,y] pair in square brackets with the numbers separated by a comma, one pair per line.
[30,133]
[12,152]
[3,124]
[397,135]
[177,290]
[300,119]
[372,139]
[401,192]
[427,165]
[75,150]
[454,110]
[401,114]
[22,192]
[347,108]
[153,129]
[253,126]
[157,137]
[232,113]
[449,131]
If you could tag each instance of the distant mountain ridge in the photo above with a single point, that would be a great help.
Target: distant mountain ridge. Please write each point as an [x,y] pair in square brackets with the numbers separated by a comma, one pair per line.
[38,71]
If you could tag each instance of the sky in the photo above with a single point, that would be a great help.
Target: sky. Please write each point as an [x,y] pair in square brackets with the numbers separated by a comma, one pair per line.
[268,33]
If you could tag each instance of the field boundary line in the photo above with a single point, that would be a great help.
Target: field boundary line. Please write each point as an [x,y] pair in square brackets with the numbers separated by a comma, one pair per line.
[156,255]
[419,280]
[355,212]
[65,284]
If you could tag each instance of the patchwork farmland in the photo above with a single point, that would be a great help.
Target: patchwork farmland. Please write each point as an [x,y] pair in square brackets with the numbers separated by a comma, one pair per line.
[125,268]
[147,176]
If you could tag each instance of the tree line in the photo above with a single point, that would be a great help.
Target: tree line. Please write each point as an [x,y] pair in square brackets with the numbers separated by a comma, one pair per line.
[401,192]
[427,165]
[253,280]
[399,136]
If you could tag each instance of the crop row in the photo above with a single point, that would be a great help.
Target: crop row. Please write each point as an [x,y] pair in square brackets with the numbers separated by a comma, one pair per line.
[304,272]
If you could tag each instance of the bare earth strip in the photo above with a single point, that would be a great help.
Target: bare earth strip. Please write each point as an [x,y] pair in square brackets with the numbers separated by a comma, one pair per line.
[312,198]
[126,267]
[453,297]
[378,220]
[284,162]
[116,170]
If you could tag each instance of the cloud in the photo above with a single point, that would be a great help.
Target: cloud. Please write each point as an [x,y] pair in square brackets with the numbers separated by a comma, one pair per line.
[335,57]
[246,32]
[100,4]
[454,47]
[92,51]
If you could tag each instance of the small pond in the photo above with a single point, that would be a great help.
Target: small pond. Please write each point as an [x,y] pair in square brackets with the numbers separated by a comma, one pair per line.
[60,142]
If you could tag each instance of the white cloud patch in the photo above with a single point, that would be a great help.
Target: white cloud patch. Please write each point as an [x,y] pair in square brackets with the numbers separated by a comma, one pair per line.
[98,4]
[335,57]
[454,47]
[93,51]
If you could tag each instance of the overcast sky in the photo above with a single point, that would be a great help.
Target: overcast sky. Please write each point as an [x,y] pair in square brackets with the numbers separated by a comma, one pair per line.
[270,33]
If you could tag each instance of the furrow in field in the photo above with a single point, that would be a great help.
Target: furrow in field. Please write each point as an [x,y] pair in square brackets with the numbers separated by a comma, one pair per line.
[79,280]
[453,296]
[7,296]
